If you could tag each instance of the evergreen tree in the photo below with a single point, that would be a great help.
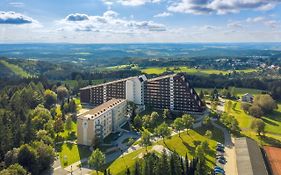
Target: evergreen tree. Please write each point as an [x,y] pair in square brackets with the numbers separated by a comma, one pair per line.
[137,168]
[186,165]
[128,171]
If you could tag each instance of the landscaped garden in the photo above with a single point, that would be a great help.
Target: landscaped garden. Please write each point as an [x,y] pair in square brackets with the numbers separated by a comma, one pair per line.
[272,124]
[186,144]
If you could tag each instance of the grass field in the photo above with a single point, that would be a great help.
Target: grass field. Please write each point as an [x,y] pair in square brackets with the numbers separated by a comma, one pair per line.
[160,70]
[66,134]
[72,153]
[185,144]
[15,69]
[272,128]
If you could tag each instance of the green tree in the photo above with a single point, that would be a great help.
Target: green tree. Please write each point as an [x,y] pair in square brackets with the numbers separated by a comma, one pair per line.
[258,125]
[188,122]
[178,124]
[58,125]
[255,111]
[96,160]
[45,155]
[207,121]
[138,122]
[145,139]
[68,124]
[50,98]
[14,169]
[166,113]
[265,102]
[137,168]
[245,107]
[163,131]
[27,158]
[208,134]
[62,93]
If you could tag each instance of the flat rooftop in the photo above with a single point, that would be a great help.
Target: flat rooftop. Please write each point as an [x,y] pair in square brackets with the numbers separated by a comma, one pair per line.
[95,112]
[162,77]
[249,157]
[111,82]
[273,155]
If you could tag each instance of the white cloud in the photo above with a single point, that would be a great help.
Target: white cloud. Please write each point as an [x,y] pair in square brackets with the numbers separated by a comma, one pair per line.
[163,14]
[220,6]
[109,22]
[13,18]
[77,17]
[130,2]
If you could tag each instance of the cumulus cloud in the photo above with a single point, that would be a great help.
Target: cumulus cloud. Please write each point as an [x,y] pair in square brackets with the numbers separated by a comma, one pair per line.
[109,22]
[130,2]
[15,18]
[163,14]
[220,6]
[77,17]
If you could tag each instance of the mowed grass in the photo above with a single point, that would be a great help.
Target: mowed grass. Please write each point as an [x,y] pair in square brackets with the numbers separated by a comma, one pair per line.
[186,144]
[15,69]
[70,135]
[160,70]
[72,153]
[272,125]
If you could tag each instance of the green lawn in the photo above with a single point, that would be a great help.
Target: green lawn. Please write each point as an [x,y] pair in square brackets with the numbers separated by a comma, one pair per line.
[16,69]
[67,134]
[187,144]
[160,70]
[183,145]
[72,152]
[272,128]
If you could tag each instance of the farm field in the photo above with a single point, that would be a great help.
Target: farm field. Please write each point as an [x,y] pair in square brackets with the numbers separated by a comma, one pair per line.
[160,70]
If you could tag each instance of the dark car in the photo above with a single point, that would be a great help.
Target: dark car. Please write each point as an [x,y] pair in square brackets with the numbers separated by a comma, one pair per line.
[220,145]
[220,150]
[222,161]
[221,157]
[219,172]
[217,167]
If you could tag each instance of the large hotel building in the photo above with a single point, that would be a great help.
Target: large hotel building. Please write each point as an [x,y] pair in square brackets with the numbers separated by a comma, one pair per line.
[110,100]
[172,92]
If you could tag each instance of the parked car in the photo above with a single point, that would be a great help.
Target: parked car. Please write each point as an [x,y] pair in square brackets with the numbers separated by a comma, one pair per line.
[221,157]
[219,172]
[217,167]
[220,146]
[222,161]
[220,149]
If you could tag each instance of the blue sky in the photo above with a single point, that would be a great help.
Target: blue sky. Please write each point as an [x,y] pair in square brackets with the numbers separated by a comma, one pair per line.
[123,21]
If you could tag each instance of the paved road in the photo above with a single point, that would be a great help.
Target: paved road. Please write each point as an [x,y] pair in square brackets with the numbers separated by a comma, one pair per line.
[231,166]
